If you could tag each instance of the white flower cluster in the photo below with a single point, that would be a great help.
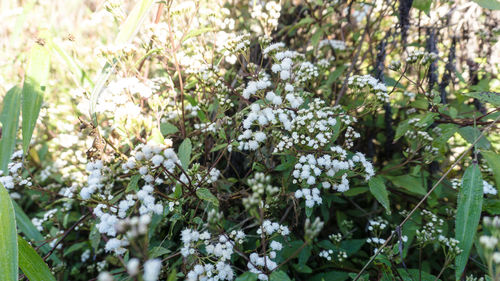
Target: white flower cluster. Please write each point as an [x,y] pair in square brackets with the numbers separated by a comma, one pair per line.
[423,56]
[350,136]
[135,226]
[487,187]
[267,15]
[362,81]
[14,176]
[95,181]
[431,230]
[262,191]
[310,168]
[46,216]
[260,264]
[312,197]
[269,228]
[489,242]
[152,270]
[218,254]
[255,86]
[451,244]
[334,44]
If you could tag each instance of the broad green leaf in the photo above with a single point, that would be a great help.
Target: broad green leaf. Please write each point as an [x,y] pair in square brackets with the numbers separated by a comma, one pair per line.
[378,189]
[488,4]
[32,264]
[185,153]
[8,238]
[205,194]
[469,206]
[9,117]
[128,29]
[493,160]
[470,134]
[330,275]
[247,276]
[279,276]
[409,183]
[35,81]
[168,129]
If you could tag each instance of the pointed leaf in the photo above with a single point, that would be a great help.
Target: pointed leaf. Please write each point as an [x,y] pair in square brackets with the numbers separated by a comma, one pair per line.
[32,264]
[470,200]
[10,121]
[185,153]
[34,85]
[205,194]
[8,238]
[493,160]
[378,189]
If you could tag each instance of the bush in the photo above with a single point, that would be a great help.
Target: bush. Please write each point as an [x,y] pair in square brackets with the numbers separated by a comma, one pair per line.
[251,140]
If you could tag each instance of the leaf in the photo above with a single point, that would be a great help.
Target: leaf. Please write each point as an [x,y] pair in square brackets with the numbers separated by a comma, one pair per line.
[247,276]
[470,134]
[422,5]
[133,183]
[32,264]
[205,194]
[470,200]
[378,189]
[493,160]
[185,153]
[489,4]
[128,29]
[74,67]
[411,184]
[279,276]
[197,32]
[8,238]
[317,36]
[168,129]
[35,81]
[9,117]
[331,275]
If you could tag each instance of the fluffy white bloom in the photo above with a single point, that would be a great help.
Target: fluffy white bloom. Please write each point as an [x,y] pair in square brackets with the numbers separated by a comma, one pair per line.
[152,270]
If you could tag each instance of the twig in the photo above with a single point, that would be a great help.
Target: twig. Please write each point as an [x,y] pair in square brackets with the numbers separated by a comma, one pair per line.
[66,233]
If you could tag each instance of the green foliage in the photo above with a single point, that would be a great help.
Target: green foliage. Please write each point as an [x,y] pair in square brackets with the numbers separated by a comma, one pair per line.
[32,264]
[469,206]
[9,117]
[8,238]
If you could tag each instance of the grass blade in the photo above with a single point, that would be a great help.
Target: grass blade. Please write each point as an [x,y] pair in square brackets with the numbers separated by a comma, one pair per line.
[10,122]
[32,264]
[470,200]
[127,31]
[8,238]
[34,85]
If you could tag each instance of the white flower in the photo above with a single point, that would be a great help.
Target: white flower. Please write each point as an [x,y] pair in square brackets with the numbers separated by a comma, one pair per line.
[152,270]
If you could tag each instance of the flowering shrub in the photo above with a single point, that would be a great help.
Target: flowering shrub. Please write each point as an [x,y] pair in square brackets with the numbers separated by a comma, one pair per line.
[251,140]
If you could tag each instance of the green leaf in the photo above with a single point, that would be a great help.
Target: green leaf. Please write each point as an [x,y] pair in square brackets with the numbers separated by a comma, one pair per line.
[331,275]
[488,4]
[317,36]
[168,129]
[10,122]
[185,153]
[74,67]
[378,189]
[409,183]
[205,194]
[32,264]
[279,276]
[8,238]
[197,32]
[35,81]
[127,31]
[470,134]
[422,5]
[493,160]
[247,276]
[470,200]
